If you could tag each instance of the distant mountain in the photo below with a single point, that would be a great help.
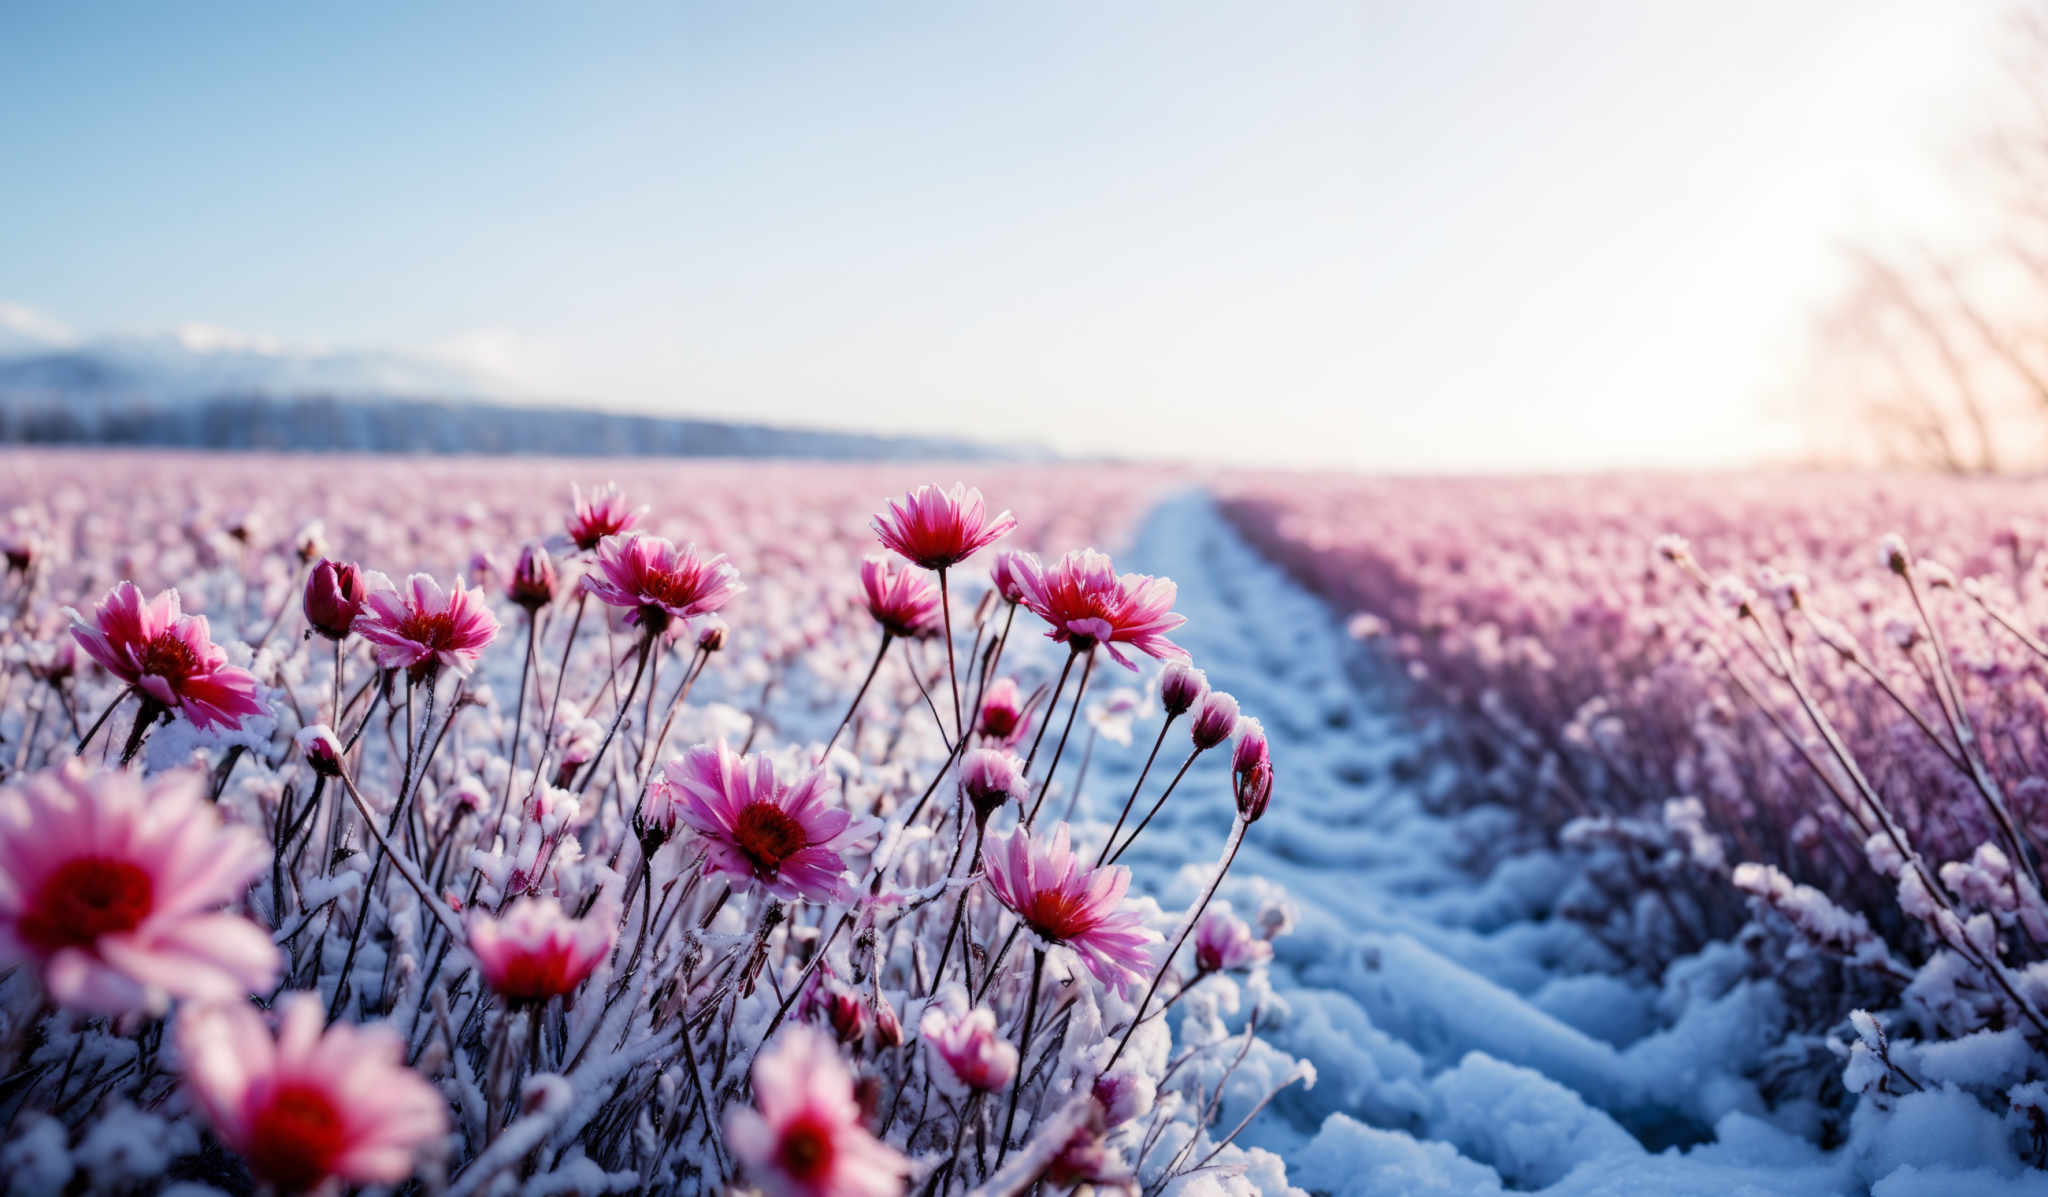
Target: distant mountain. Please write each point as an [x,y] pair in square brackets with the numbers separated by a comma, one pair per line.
[201,388]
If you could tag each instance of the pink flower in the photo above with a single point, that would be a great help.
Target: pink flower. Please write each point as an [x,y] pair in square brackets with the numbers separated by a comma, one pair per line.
[1215,720]
[658,584]
[904,603]
[1087,604]
[1003,574]
[1004,721]
[1181,686]
[1251,768]
[1224,943]
[533,580]
[990,777]
[937,528]
[111,887]
[168,656]
[333,599]
[966,1052]
[1065,902]
[603,514]
[424,627]
[804,1136]
[536,951]
[305,1107]
[785,839]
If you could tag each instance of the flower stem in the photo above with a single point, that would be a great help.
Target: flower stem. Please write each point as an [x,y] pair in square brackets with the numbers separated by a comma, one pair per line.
[625,704]
[1157,805]
[1142,775]
[952,671]
[1023,1052]
[1045,786]
[1187,925]
[863,691]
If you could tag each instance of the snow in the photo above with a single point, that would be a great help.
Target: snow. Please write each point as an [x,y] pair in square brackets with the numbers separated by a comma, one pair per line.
[1466,1040]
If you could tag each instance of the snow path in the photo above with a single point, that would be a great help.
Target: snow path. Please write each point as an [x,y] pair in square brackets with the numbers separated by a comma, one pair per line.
[1465,1042]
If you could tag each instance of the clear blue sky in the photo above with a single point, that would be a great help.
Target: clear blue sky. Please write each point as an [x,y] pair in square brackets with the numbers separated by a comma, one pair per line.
[1425,235]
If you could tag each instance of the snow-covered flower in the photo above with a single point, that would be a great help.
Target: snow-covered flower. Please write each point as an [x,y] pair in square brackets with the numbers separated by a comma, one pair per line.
[989,777]
[1225,943]
[1215,720]
[937,528]
[111,889]
[308,1106]
[966,1053]
[536,951]
[659,585]
[803,1136]
[1087,604]
[424,628]
[1181,686]
[1064,902]
[167,656]
[786,839]
[903,602]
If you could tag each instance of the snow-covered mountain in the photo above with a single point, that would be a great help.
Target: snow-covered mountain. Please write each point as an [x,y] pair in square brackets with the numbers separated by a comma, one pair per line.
[205,387]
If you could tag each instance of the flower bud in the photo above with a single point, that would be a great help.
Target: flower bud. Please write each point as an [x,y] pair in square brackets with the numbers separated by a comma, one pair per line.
[1003,719]
[1254,790]
[1215,719]
[888,1027]
[533,580]
[1181,686]
[1251,745]
[848,1016]
[711,634]
[334,597]
[1003,574]
[990,777]
[322,749]
[310,543]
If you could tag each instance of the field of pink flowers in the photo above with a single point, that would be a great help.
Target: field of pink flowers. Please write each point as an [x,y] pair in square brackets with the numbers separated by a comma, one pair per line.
[487,827]
[1805,714]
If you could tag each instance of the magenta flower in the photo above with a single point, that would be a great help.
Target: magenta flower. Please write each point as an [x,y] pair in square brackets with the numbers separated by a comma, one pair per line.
[989,777]
[1224,943]
[1215,720]
[535,951]
[111,889]
[786,840]
[533,580]
[305,1107]
[333,599]
[423,627]
[167,656]
[659,585]
[967,1054]
[1004,721]
[1087,604]
[804,1136]
[1181,686]
[937,528]
[1064,902]
[603,514]
[903,602]
[1003,574]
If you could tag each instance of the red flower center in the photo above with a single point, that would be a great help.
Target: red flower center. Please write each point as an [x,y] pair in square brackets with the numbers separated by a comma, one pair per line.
[998,722]
[168,656]
[84,898]
[434,629]
[536,976]
[672,587]
[1059,914]
[768,835]
[805,1152]
[296,1137]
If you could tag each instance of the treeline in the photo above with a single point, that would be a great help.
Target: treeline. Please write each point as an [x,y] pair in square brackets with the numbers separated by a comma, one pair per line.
[390,425]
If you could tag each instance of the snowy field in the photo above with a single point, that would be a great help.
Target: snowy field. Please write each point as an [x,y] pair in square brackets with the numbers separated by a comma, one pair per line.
[1409,980]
